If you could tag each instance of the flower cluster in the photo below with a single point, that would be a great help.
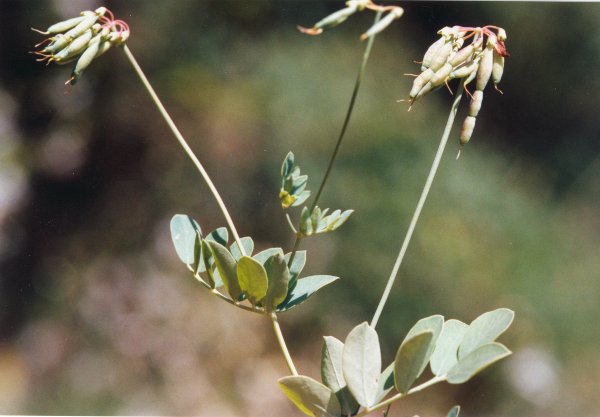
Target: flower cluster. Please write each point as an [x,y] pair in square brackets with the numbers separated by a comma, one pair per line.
[353,6]
[82,38]
[448,58]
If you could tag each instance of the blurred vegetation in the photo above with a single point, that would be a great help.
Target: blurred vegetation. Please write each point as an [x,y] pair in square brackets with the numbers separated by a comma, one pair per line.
[99,317]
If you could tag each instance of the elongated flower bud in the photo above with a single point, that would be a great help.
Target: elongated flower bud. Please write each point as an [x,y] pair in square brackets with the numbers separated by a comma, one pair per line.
[485,67]
[87,37]
[475,104]
[66,24]
[497,69]
[467,130]
[394,14]
[463,55]
[430,53]
[330,21]
[74,48]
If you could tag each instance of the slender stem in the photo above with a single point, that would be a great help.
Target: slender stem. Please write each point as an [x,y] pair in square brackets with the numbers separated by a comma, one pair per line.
[397,397]
[359,77]
[424,193]
[183,144]
[282,345]
[217,197]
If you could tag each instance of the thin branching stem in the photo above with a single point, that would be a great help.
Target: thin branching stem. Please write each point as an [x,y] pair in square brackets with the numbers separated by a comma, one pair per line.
[217,197]
[184,145]
[282,345]
[338,144]
[417,213]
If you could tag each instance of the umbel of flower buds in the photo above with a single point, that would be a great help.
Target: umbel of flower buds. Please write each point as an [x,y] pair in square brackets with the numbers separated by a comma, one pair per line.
[449,58]
[82,39]
[353,6]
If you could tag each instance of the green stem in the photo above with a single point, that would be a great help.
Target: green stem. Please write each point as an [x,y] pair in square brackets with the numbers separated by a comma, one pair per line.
[183,144]
[282,345]
[424,193]
[359,78]
[397,397]
[216,195]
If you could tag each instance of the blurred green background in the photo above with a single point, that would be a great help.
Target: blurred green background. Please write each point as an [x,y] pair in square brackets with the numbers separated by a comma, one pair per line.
[98,316]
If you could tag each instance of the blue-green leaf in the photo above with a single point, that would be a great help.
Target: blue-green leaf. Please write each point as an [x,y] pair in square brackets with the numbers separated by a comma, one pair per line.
[433,324]
[311,397]
[279,276]
[454,411]
[221,236]
[186,235]
[305,287]
[262,256]
[333,376]
[473,363]
[296,266]
[361,363]
[485,329]
[227,267]
[252,278]
[385,383]
[445,354]
[247,244]
[411,358]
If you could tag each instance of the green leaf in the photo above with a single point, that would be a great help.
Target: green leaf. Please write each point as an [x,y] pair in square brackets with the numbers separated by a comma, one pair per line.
[385,383]
[479,359]
[186,235]
[305,222]
[485,329]
[332,374]
[445,354]
[252,278]
[278,278]
[454,411]
[432,323]
[305,287]
[227,268]
[411,358]
[296,266]
[288,165]
[220,236]
[311,397]
[301,197]
[266,254]
[361,363]
[247,244]
[206,264]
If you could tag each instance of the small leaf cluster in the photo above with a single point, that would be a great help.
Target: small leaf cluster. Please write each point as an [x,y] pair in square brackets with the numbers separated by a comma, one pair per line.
[351,370]
[268,280]
[293,193]
[293,185]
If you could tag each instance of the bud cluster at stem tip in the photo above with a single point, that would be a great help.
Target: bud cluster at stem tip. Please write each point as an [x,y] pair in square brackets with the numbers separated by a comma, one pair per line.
[82,38]
[353,6]
[448,58]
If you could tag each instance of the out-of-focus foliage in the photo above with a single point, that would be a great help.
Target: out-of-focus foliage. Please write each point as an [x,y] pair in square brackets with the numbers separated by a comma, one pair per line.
[98,314]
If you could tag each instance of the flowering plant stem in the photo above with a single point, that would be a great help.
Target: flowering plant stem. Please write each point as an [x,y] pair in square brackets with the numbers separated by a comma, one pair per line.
[338,144]
[420,204]
[211,186]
